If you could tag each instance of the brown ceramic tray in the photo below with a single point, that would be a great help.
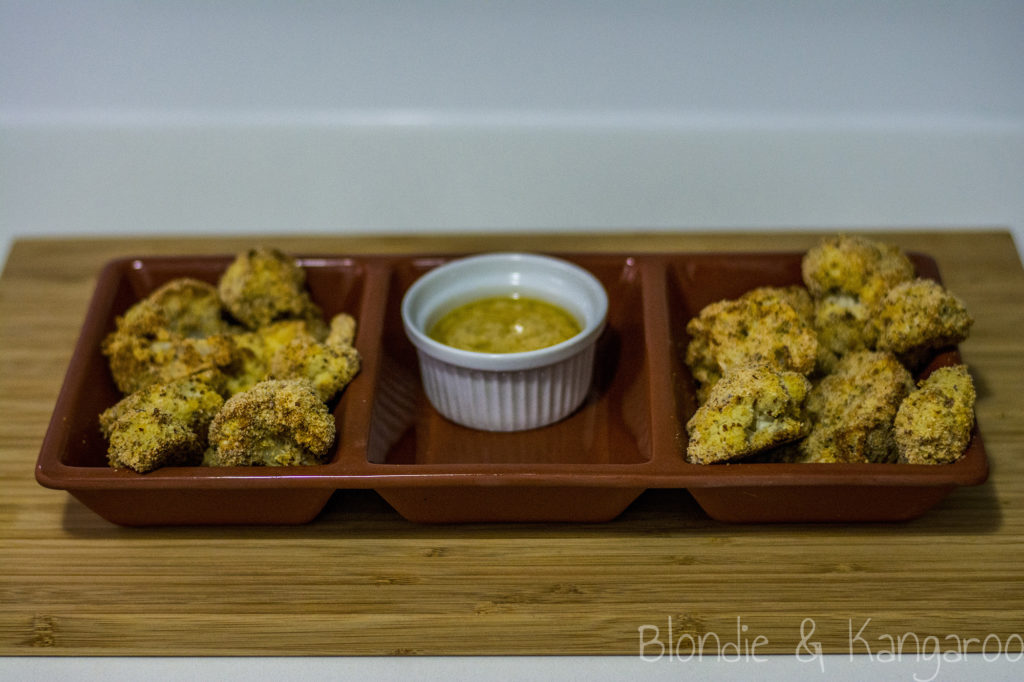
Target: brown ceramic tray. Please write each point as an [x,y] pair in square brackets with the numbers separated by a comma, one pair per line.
[627,437]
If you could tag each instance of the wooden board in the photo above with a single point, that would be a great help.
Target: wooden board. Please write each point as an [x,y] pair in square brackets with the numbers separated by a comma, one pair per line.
[360,580]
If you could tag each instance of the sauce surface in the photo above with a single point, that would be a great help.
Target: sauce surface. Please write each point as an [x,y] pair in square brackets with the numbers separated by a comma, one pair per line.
[504,324]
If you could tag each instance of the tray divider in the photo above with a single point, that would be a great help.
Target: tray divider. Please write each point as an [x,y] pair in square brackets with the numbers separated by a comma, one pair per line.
[666,430]
[357,410]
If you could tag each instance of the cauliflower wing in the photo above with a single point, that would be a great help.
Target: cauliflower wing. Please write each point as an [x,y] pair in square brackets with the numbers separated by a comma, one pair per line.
[276,422]
[140,360]
[768,325]
[160,425]
[296,349]
[920,315]
[184,306]
[853,408]
[856,266]
[750,409]
[263,285]
[255,349]
[176,331]
[934,423]
[327,368]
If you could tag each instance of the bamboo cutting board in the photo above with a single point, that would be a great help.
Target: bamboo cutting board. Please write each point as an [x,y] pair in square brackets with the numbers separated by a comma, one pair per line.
[361,580]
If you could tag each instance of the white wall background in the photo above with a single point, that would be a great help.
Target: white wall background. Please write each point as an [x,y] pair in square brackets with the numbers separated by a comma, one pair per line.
[146,117]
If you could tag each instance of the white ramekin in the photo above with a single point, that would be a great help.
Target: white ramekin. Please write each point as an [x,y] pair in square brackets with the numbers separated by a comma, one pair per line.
[506,391]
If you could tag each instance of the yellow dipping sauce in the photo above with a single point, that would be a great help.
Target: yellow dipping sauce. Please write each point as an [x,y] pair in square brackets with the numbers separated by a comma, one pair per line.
[504,324]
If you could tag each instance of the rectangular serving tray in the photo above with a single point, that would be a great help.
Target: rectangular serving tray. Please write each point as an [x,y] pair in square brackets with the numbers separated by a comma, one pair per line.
[627,437]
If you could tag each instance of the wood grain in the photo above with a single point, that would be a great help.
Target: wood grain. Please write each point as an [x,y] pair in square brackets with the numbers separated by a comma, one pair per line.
[360,580]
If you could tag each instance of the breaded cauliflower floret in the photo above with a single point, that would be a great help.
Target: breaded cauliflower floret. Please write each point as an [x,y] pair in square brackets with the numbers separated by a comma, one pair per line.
[769,326]
[254,350]
[184,306]
[853,408]
[751,409]
[275,422]
[140,360]
[934,423]
[161,425]
[328,368]
[918,316]
[296,349]
[856,266]
[843,325]
[264,285]
[175,331]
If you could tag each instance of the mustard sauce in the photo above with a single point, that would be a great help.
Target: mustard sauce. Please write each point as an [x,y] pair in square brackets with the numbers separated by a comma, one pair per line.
[504,324]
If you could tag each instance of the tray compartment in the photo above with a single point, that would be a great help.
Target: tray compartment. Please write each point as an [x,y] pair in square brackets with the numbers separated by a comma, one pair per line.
[466,475]
[750,492]
[611,427]
[73,453]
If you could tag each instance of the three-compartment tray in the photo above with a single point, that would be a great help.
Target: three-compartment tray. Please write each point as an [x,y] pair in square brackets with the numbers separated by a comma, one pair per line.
[628,436]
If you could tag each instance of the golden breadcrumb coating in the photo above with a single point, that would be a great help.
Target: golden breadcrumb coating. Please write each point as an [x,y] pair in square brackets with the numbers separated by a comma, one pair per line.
[838,444]
[184,306]
[327,368]
[342,330]
[276,422]
[281,333]
[934,423]
[254,350]
[175,331]
[854,265]
[140,360]
[852,409]
[248,364]
[795,295]
[296,349]
[752,408]
[769,326]
[843,325]
[161,425]
[920,315]
[264,285]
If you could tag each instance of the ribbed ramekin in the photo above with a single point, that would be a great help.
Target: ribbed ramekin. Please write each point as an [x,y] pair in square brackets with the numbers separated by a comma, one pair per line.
[506,391]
